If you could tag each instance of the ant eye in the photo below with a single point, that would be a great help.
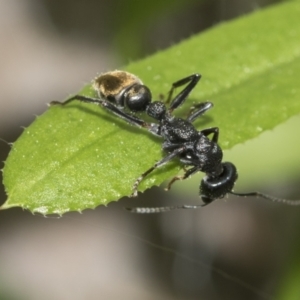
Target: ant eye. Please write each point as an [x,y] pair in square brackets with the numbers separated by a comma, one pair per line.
[138,97]
[212,188]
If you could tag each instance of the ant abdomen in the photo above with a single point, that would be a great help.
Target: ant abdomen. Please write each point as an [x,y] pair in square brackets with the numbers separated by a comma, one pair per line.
[123,89]
[137,98]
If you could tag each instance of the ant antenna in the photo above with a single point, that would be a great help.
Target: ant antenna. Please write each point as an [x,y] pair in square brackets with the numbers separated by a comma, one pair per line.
[267,197]
[152,210]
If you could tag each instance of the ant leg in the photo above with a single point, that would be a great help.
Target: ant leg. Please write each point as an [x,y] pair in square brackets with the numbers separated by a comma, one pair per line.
[214,130]
[192,80]
[133,120]
[187,174]
[159,164]
[198,110]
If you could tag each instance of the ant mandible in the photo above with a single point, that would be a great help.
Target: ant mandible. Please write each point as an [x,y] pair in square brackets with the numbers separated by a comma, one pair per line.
[121,93]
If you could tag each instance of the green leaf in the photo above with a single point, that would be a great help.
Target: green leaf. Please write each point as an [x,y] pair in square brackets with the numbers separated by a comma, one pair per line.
[80,156]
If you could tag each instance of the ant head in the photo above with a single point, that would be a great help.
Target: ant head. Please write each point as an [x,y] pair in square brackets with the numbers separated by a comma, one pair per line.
[157,110]
[215,187]
[137,97]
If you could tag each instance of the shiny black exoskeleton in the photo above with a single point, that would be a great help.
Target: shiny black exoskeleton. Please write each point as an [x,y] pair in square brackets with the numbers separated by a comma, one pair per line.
[122,93]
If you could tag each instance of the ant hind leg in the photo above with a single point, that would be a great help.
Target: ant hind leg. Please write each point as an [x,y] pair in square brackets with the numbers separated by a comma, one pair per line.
[179,99]
[133,120]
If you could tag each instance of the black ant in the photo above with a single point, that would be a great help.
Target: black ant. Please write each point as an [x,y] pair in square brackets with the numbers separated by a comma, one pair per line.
[121,93]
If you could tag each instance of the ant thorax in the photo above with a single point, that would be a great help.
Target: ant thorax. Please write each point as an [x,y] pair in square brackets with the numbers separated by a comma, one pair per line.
[178,130]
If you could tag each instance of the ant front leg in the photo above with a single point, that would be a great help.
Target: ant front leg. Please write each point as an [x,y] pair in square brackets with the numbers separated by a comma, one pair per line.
[133,120]
[159,164]
[187,174]
[178,100]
